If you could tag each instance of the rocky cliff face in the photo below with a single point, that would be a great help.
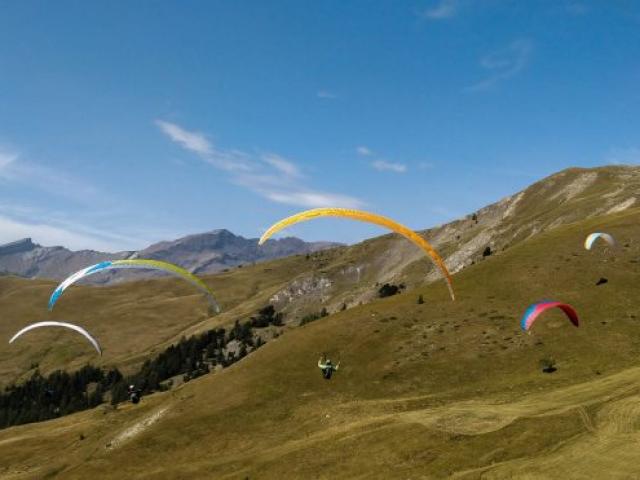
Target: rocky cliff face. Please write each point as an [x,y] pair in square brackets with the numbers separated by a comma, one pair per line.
[350,276]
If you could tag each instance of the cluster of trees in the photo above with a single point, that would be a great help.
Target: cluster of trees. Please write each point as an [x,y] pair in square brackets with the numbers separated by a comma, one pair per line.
[60,393]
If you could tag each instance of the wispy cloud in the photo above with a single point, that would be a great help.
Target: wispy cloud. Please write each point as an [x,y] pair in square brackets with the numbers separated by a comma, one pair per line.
[268,175]
[284,166]
[364,151]
[15,169]
[325,94]
[503,64]
[6,159]
[382,166]
[198,143]
[194,141]
[623,156]
[311,199]
[48,226]
[20,222]
[443,10]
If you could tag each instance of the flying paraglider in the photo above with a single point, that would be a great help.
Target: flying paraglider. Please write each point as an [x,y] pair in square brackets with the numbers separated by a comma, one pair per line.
[592,237]
[71,326]
[363,217]
[532,313]
[138,264]
[327,367]
[135,394]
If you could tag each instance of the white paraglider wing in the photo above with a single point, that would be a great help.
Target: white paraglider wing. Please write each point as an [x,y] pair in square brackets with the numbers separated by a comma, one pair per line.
[71,326]
[592,237]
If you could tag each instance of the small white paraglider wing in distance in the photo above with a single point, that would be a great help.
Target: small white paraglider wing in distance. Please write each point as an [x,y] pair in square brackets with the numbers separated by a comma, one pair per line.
[70,326]
[592,237]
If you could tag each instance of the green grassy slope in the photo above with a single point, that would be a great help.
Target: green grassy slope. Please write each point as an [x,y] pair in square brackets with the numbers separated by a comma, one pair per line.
[439,390]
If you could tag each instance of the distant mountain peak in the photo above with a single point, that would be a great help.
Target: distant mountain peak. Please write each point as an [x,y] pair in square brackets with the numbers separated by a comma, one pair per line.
[207,252]
[222,231]
[22,245]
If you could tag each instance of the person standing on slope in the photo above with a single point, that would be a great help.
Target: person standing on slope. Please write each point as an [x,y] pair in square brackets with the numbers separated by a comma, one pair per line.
[327,367]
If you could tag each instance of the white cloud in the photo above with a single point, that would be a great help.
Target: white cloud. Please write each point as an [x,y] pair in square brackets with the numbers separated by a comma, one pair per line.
[45,234]
[326,95]
[56,182]
[269,175]
[284,166]
[312,199]
[444,9]
[49,227]
[382,166]
[623,156]
[6,159]
[196,142]
[287,190]
[503,64]
[31,175]
[364,151]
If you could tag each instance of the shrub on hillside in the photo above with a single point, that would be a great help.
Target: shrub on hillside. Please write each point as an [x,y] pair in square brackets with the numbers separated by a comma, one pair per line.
[548,365]
[388,290]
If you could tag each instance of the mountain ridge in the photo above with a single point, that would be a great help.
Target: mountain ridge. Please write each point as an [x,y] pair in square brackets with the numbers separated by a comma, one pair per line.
[201,253]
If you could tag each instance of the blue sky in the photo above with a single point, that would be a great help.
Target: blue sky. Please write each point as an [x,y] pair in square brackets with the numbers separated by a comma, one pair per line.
[125,123]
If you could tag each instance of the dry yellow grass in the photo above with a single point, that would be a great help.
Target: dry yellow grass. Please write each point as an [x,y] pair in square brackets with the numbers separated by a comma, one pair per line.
[440,390]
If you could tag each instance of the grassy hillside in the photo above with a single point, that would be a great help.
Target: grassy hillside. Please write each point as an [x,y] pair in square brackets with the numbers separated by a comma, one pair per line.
[135,321]
[132,321]
[439,390]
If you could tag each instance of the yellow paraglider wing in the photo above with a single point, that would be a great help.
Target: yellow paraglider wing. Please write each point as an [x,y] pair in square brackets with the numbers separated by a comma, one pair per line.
[363,217]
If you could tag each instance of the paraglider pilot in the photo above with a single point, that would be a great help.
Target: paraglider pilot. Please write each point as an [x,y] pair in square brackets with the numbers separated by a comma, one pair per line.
[134,394]
[327,367]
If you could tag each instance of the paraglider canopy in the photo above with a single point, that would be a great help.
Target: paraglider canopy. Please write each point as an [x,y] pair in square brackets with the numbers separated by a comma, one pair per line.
[136,264]
[535,310]
[368,217]
[592,237]
[70,326]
